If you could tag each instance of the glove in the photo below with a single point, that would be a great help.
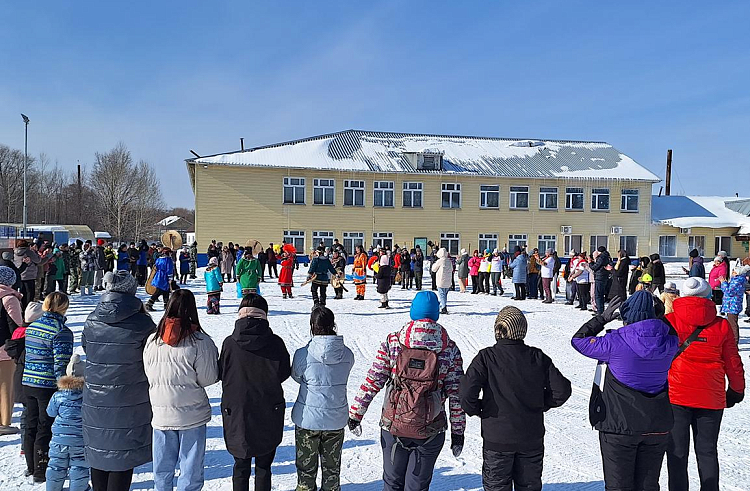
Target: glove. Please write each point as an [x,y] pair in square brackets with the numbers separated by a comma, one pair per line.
[354,427]
[457,444]
[734,397]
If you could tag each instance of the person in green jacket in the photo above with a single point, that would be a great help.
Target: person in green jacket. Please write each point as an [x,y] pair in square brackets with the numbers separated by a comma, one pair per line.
[248,272]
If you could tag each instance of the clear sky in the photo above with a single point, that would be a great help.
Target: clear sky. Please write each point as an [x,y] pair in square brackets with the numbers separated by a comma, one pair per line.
[167,76]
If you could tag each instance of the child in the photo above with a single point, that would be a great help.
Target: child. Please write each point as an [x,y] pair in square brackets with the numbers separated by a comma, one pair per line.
[733,293]
[184,265]
[214,285]
[66,458]
[670,294]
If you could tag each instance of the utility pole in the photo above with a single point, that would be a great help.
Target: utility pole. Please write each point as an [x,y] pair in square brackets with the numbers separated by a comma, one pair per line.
[25,166]
[80,199]
[668,184]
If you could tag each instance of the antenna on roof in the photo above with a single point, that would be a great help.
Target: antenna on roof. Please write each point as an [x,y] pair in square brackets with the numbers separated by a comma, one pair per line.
[242,144]
[661,188]
[668,182]
[193,152]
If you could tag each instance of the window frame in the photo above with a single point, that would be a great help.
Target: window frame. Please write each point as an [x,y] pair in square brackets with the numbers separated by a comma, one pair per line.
[456,190]
[405,188]
[354,191]
[516,240]
[544,192]
[316,237]
[513,198]
[628,192]
[547,239]
[332,187]
[450,238]
[484,194]
[663,252]
[568,244]
[487,239]
[352,238]
[718,239]
[594,246]
[287,183]
[377,190]
[597,193]
[291,237]
[570,192]
[379,237]
[625,238]
[691,244]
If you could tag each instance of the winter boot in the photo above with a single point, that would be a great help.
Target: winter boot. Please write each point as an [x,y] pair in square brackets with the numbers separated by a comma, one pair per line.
[41,459]
[386,305]
[285,296]
[382,305]
[150,306]
[290,295]
[444,310]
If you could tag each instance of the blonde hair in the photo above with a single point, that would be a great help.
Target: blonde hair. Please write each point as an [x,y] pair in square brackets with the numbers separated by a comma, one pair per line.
[56,302]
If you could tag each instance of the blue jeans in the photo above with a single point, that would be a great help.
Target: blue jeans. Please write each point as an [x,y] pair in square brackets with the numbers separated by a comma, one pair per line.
[67,462]
[186,446]
[443,297]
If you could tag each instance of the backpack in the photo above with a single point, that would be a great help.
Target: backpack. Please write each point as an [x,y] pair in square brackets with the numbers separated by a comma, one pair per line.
[413,405]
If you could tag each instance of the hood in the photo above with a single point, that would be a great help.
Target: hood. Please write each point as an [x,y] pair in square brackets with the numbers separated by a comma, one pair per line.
[115,307]
[71,383]
[6,291]
[21,251]
[694,311]
[328,350]
[424,334]
[649,339]
[252,334]
[698,260]
[441,253]
[172,331]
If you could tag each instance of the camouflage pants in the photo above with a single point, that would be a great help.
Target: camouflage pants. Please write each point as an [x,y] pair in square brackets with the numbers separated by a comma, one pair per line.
[75,278]
[311,445]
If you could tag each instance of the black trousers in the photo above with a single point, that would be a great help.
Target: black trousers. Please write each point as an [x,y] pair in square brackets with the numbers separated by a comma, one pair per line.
[418,280]
[322,288]
[262,272]
[134,270]
[272,267]
[141,275]
[501,471]
[38,428]
[409,465]
[476,286]
[433,275]
[532,283]
[484,282]
[160,293]
[520,291]
[632,462]
[705,425]
[111,480]
[584,294]
[242,470]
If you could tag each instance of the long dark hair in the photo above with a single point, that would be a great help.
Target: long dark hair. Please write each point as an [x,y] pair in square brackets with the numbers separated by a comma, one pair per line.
[181,306]
[322,322]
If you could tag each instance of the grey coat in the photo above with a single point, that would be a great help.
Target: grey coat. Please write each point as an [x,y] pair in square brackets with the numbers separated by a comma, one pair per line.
[462,266]
[32,268]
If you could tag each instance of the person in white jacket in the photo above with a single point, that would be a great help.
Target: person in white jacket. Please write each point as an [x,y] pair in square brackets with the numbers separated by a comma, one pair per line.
[180,360]
[443,269]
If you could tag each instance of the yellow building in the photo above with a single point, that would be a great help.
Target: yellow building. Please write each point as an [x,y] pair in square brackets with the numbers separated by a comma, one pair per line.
[374,188]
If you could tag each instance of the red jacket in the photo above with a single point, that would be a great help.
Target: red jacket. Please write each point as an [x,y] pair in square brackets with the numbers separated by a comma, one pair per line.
[697,376]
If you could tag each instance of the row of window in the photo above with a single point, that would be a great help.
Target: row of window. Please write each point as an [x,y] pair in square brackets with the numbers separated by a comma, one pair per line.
[668,245]
[324,193]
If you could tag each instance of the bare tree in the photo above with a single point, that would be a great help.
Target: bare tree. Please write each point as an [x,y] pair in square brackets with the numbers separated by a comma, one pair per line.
[113,182]
[148,202]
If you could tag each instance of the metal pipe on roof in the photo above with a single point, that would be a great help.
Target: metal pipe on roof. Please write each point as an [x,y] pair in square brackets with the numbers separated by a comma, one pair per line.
[668,183]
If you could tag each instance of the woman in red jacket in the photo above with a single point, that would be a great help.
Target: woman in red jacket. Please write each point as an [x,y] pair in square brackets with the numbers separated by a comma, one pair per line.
[697,384]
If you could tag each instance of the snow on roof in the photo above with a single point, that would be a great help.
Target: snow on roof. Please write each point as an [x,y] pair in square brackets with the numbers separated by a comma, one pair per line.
[169,220]
[370,151]
[698,211]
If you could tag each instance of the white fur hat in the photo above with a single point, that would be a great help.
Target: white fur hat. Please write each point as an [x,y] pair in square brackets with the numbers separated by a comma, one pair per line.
[696,287]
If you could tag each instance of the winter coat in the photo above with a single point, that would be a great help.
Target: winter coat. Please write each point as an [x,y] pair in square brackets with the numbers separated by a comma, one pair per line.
[656,269]
[734,294]
[15,347]
[88,260]
[518,384]
[718,271]
[100,257]
[286,275]
[548,267]
[249,272]
[271,256]
[123,261]
[619,287]
[49,345]
[443,269]
[474,263]
[184,259]
[17,270]
[497,264]
[75,260]
[133,255]
[32,268]
[599,267]
[533,264]
[214,280]
[668,300]
[254,362]
[518,265]
[485,265]
[384,279]
[177,376]
[462,266]
[65,407]
[418,262]
[164,270]
[227,262]
[11,312]
[405,265]
[697,270]
[421,334]
[142,254]
[322,370]
[320,266]
[582,273]
[697,377]
[116,408]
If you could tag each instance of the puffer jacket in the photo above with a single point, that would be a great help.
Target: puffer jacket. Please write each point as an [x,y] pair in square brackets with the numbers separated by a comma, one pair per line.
[697,377]
[164,270]
[88,260]
[32,268]
[177,376]
[443,269]
[519,267]
[11,313]
[462,266]
[421,334]
[497,264]
[697,270]
[322,369]
[65,407]
[213,280]
[734,294]
[717,271]
[116,408]
[49,345]
[474,263]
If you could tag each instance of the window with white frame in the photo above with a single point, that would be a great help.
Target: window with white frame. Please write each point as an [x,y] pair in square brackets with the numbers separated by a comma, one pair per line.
[723,244]
[517,240]
[519,197]
[324,191]
[573,243]
[600,199]
[294,190]
[326,237]
[574,199]
[597,241]
[547,242]
[451,242]
[382,239]
[296,238]
[629,200]
[412,196]
[352,240]
[489,197]
[630,244]
[382,194]
[487,241]
[354,193]
[451,195]
[547,198]
[667,245]
[697,242]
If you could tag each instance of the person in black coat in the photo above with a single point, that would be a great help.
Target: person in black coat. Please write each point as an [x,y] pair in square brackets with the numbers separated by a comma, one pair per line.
[636,274]
[272,261]
[600,267]
[658,274]
[383,278]
[253,364]
[618,290]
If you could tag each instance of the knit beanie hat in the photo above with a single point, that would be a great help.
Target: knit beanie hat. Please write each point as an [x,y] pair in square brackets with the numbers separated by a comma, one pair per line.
[33,312]
[214,261]
[7,276]
[639,307]
[696,287]
[8,256]
[120,282]
[694,253]
[671,287]
[602,249]
[425,306]
[76,367]
[510,323]
[742,270]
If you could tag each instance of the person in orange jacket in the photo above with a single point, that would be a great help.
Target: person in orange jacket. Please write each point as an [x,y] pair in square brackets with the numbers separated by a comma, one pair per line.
[360,271]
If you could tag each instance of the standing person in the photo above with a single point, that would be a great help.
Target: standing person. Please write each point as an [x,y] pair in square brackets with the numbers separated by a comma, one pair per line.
[496,272]
[433,258]
[164,271]
[696,268]
[656,270]
[372,264]
[548,273]
[532,279]
[184,259]
[718,271]
[25,254]
[618,290]
[180,361]
[697,385]
[474,263]
[412,445]
[214,286]
[133,255]
[248,272]
[123,258]
[49,345]
[116,411]
[485,264]
[233,252]
[227,263]
[733,294]
[286,277]
[142,263]
[556,274]
[636,416]
[601,277]
[443,269]
[321,410]
[317,274]
[582,277]
[55,272]
[384,279]
[254,362]
[520,273]
[670,294]
[110,257]
[193,259]
[100,263]
[11,318]
[359,272]
[62,284]
[338,261]
[462,270]
[518,383]
[405,268]
[88,268]
[263,259]
[272,260]
[66,449]
[213,251]
[75,267]
[635,276]
[418,267]
[570,284]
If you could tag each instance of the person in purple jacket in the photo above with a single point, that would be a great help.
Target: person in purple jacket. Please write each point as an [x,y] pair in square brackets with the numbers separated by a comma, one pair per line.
[633,414]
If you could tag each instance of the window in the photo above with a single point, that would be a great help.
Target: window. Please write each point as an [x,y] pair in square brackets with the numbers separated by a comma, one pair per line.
[629,200]
[412,195]
[630,244]
[450,242]
[547,242]
[547,198]
[354,193]
[489,197]
[383,194]
[574,199]
[697,242]
[600,199]
[517,240]
[325,237]
[597,241]
[352,240]
[487,241]
[573,243]
[667,245]
[324,191]
[451,196]
[723,244]
[294,190]
[382,239]
[519,197]
[296,238]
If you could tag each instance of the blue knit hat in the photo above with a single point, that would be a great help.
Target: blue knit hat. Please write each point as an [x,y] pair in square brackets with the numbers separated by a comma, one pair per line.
[639,307]
[425,306]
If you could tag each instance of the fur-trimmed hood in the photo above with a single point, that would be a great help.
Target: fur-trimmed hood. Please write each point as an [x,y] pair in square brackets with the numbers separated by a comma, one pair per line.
[70,383]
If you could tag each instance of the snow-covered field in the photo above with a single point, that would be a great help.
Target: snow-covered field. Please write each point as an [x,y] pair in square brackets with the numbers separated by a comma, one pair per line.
[572,452]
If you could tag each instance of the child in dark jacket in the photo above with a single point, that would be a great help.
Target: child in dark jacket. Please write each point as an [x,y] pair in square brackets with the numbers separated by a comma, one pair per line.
[518,384]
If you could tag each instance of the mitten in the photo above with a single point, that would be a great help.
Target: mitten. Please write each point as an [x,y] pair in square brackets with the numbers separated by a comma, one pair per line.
[457,444]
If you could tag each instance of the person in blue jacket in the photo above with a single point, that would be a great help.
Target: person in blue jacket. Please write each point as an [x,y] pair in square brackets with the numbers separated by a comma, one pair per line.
[164,271]
[123,258]
[317,274]
[142,263]
[214,285]
[520,271]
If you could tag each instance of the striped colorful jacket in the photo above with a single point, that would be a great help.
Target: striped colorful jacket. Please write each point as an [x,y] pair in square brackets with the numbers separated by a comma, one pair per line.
[49,345]
[423,334]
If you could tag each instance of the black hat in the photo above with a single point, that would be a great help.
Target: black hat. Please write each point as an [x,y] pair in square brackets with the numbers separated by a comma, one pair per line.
[694,253]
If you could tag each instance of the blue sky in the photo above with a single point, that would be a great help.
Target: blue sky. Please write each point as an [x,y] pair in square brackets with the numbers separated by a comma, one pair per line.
[166,76]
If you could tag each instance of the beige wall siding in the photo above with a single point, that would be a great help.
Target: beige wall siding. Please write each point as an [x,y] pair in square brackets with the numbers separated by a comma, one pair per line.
[709,238]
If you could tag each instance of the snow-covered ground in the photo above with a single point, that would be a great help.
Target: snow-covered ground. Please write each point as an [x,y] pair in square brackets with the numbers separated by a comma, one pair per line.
[572,452]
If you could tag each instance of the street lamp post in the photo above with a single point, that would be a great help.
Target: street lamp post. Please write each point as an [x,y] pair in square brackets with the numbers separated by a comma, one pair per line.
[25,165]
